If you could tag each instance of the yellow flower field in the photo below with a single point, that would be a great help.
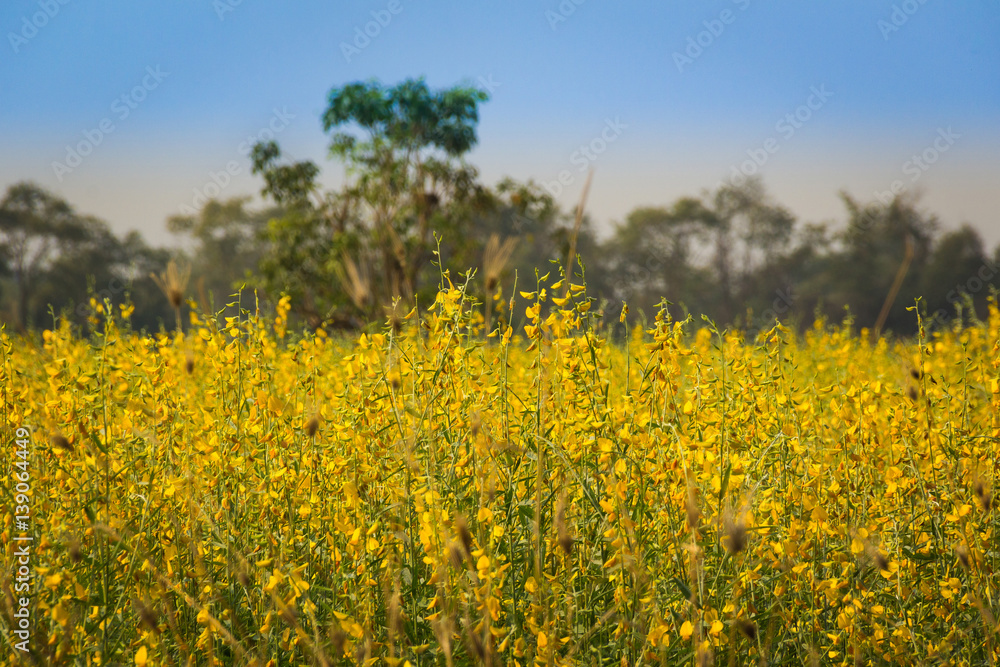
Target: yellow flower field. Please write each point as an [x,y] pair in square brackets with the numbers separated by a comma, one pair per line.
[428,495]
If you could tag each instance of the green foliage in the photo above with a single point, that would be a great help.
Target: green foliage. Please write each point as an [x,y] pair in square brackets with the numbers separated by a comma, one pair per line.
[229,244]
[740,258]
[349,254]
[56,259]
[411,209]
[289,185]
[406,118]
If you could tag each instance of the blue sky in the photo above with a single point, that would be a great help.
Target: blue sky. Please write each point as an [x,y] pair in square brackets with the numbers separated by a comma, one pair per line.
[694,90]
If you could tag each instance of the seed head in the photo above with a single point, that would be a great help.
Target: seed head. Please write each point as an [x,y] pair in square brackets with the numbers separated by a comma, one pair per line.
[566,542]
[875,557]
[173,282]
[747,628]
[363,651]
[455,556]
[59,441]
[337,639]
[462,529]
[983,495]
[963,555]
[476,645]
[356,282]
[395,615]
[691,505]
[146,616]
[495,258]
[312,426]
[74,551]
[736,534]
[565,539]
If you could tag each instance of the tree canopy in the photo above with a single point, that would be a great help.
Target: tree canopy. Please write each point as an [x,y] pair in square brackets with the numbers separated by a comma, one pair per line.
[412,209]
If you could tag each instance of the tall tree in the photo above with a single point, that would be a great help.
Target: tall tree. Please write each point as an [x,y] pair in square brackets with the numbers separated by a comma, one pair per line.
[33,224]
[957,264]
[60,259]
[751,234]
[659,252]
[229,243]
[873,248]
[402,148]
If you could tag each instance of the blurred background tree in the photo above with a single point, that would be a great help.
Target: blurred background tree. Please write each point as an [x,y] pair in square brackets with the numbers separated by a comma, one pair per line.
[56,259]
[227,243]
[402,148]
[347,256]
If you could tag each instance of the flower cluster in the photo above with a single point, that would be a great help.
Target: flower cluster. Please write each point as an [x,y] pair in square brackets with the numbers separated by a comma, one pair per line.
[439,494]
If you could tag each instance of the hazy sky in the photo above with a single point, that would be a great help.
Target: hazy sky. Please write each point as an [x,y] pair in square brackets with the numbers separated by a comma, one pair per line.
[668,99]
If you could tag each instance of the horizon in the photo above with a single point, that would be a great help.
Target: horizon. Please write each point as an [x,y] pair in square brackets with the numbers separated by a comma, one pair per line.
[661,104]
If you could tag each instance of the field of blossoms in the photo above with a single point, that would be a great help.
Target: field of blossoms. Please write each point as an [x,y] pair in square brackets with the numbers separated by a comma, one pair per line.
[234,493]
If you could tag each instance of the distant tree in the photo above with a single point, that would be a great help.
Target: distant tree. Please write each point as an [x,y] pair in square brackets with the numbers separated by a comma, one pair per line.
[33,226]
[720,255]
[406,165]
[103,266]
[402,148]
[957,266]
[229,244]
[522,215]
[59,259]
[751,236]
[313,250]
[659,253]
[872,249]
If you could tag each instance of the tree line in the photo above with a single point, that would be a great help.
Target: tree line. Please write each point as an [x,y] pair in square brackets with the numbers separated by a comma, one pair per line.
[413,209]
